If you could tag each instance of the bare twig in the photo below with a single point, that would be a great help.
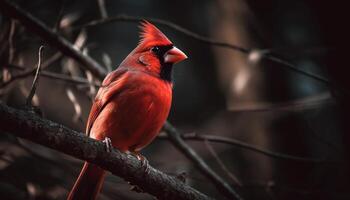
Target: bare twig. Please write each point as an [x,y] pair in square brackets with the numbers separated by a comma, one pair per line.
[220,184]
[126,18]
[107,61]
[298,70]
[92,90]
[69,79]
[55,57]
[310,102]
[299,50]
[50,134]
[68,19]
[10,9]
[4,36]
[19,76]
[31,71]
[51,75]
[207,40]
[5,76]
[102,7]
[76,105]
[36,79]
[237,143]
[11,45]
[45,65]
[56,27]
[221,163]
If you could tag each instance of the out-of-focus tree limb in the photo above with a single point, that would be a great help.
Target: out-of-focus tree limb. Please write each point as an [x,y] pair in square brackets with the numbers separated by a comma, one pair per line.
[247,146]
[103,9]
[221,163]
[220,184]
[30,22]
[127,18]
[47,74]
[50,134]
[36,79]
[297,105]
[262,53]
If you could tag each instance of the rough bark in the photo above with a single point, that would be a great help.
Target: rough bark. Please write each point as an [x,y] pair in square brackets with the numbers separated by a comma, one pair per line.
[56,136]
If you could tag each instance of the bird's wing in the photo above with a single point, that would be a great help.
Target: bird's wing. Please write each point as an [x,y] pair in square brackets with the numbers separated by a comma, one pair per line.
[112,85]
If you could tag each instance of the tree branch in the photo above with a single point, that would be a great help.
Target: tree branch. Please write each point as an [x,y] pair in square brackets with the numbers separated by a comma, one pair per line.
[262,52]
[56,41]
[243,145]
[36,79]
[57,27]
[10,41]
[220,184]
[103,9]
[48,74]
[221,163]
[297,105]
[50,134]
[69,79]
[127,18]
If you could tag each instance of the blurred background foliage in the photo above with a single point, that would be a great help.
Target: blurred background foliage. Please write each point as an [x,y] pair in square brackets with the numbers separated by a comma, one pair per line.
[218,91]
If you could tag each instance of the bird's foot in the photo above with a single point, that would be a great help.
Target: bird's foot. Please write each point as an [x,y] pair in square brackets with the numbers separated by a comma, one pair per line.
[144,161]
[108,143]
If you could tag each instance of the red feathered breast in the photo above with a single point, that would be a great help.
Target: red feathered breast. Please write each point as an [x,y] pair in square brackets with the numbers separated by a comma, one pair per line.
[130,110]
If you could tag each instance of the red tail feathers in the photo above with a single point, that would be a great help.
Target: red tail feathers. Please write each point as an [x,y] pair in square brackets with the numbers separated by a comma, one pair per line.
[88,184]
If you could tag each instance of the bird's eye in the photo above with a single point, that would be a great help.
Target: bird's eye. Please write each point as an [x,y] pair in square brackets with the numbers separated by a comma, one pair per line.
[155,49]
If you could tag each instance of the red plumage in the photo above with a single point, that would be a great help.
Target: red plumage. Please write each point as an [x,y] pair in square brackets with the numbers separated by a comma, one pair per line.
[152,36]
[132,104]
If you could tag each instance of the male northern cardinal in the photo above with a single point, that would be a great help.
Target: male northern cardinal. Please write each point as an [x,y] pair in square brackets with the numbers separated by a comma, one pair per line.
[132,104]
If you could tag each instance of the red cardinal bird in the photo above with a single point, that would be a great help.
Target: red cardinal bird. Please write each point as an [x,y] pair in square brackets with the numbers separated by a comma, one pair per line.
[132,104]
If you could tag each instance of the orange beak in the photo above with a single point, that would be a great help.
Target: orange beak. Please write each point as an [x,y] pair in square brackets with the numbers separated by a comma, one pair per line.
[174,55]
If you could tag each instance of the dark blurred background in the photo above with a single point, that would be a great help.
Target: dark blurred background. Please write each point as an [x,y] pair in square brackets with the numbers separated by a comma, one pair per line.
[218,91]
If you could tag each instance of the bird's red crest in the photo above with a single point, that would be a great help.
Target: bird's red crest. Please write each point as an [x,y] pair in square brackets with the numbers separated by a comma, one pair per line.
[151,35]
